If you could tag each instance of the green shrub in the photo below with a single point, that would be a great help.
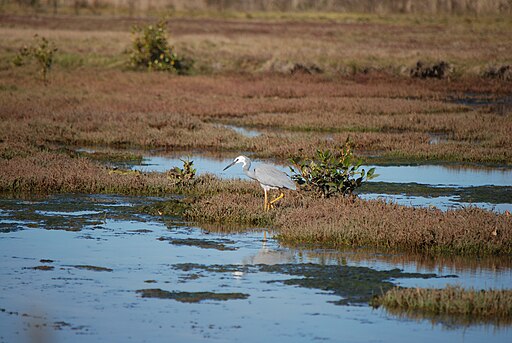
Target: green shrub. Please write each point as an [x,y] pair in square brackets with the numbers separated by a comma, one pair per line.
[182,175]
[42,51]
[331,173]
[150,50]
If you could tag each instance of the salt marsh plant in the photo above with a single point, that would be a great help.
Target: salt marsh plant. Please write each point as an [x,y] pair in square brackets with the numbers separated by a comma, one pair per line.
[151,50]
[182,175]
[331,173]
[469,304]
[42,51]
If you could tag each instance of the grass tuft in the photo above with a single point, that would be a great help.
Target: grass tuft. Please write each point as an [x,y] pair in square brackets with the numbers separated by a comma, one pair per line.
[231,208]
[469,305]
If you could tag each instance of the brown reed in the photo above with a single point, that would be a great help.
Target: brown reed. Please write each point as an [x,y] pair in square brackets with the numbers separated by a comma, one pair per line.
[475,305]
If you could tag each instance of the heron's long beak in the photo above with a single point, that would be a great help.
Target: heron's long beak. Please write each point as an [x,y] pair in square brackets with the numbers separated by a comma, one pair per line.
[232,163]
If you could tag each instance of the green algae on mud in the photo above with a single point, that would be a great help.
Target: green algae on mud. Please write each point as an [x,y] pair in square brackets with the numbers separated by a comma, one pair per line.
[190,297]
[355,285]
[80,266]
[201,243]
[42,267]
[68,212]
[93,268]
[453,304]
[175,207]
[487,194]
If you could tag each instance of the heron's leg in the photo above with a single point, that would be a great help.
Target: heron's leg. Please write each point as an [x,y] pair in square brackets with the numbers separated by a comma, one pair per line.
[266,205]
[271,204]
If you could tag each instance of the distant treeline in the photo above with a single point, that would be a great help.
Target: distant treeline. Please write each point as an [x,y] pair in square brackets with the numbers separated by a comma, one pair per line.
[477,7]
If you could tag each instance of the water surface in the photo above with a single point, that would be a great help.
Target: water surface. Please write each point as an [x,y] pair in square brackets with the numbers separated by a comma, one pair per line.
[457,177]
[71,268]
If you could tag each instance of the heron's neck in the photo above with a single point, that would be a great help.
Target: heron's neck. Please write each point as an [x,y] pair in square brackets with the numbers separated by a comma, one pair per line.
[246,168]
[246,165]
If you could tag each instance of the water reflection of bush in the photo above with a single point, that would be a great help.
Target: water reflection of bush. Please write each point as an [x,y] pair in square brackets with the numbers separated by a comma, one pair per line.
[425,263]
[450,322]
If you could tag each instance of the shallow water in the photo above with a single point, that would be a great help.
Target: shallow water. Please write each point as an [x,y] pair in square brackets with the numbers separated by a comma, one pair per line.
[481,101]
[250,133]
[433,175]
[202,164]
[443,203]
[87,290]
[455,176]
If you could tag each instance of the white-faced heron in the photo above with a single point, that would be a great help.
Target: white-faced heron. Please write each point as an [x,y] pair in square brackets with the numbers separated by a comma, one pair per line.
[268,176]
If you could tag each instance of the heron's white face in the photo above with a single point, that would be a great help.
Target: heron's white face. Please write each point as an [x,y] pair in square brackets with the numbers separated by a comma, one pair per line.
[240,159]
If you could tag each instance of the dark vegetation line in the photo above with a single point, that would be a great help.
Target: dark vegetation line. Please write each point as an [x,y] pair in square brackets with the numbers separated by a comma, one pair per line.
[488,194]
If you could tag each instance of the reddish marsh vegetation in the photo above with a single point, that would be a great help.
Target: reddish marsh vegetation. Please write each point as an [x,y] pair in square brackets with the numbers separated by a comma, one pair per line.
[331,222]
[46,172]
[384,116]
[242,77]
[338,222]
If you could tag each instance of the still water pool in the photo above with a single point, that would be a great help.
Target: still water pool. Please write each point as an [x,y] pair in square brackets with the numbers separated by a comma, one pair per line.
[455,177]
[77,268]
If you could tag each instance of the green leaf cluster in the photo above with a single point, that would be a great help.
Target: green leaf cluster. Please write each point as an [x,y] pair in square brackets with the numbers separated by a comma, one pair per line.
[182,175]
[151,50]
[331,173]
[42,51]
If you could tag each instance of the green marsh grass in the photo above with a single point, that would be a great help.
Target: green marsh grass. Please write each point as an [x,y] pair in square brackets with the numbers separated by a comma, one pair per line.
[463,305]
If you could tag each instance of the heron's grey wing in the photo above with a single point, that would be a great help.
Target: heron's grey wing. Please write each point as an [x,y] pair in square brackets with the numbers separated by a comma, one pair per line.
[270,176]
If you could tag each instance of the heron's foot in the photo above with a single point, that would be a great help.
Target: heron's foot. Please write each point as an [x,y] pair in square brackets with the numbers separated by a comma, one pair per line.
[271,203]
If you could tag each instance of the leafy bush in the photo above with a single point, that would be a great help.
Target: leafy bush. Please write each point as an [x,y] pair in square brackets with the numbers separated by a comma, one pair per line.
[182,175]
[42,51]
[331,173]
[150,50]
